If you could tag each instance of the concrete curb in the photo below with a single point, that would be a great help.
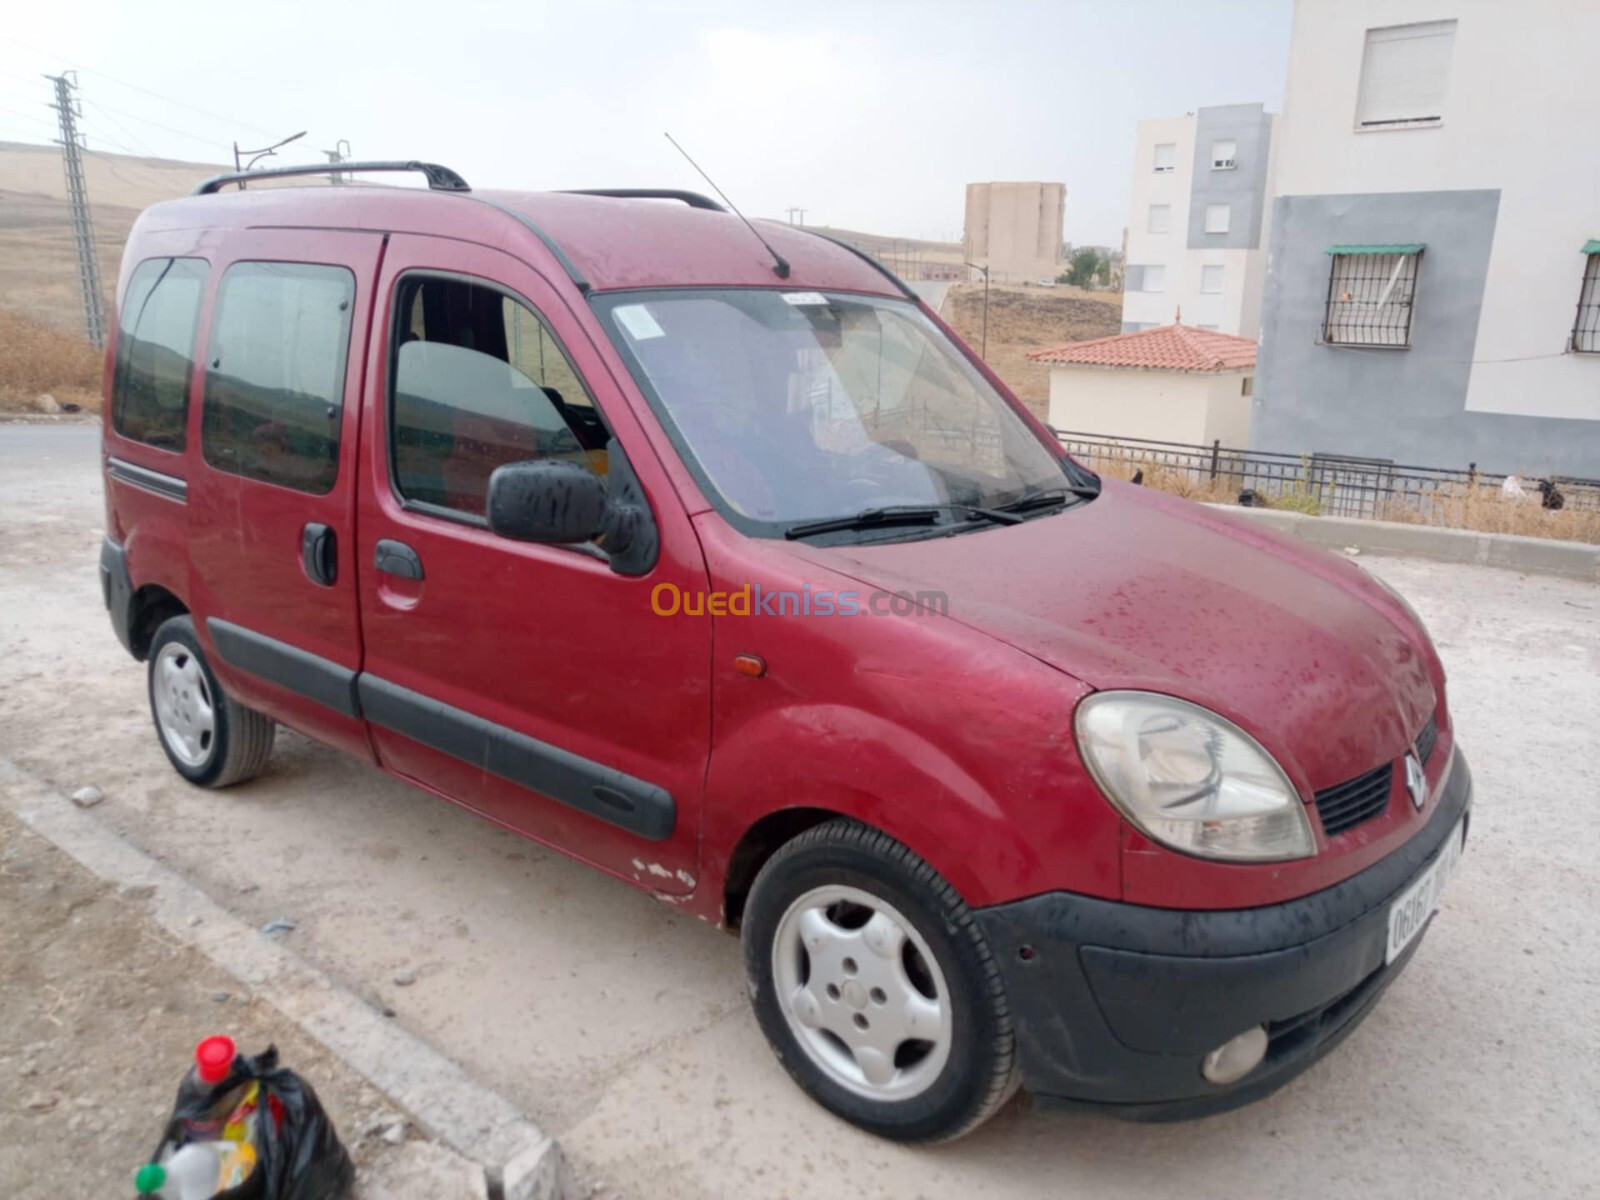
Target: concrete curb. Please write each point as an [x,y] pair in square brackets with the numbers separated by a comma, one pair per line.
[519,1160]
[1536,556]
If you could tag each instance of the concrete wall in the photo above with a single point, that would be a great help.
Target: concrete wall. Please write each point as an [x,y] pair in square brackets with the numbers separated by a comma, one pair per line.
[1015,229]
[1171,406]
[1492,380]
[1186,249]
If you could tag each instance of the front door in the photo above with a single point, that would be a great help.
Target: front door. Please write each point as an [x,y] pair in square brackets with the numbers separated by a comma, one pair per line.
[530,683]
[271,495]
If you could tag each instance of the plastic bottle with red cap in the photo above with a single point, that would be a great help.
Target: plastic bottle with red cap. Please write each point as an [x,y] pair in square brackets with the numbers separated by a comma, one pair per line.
[213,1063]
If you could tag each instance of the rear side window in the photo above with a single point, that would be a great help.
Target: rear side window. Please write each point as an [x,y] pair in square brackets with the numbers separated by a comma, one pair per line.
[275,379]
[479,380]
[155,351]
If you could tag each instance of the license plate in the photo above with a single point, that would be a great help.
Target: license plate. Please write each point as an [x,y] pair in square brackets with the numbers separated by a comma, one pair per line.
[1410,913]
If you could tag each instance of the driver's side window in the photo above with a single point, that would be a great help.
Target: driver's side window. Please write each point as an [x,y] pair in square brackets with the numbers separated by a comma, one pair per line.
[478,380]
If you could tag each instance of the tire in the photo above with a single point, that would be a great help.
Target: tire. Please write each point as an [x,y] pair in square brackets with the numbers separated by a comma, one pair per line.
[210,739]
[824,964]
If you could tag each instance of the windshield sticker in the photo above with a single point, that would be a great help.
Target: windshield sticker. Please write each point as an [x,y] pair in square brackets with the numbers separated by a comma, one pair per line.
[802,299]
[636,319]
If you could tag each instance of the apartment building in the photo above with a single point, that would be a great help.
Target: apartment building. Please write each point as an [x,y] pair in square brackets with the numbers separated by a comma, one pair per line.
[1202,184]
[1434,292]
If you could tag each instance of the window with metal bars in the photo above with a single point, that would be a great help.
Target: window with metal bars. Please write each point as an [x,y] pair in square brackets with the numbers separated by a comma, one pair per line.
[1370,298]
[1586,329]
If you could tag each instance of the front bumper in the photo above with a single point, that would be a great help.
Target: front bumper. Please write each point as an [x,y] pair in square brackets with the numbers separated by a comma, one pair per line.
[1116,1005]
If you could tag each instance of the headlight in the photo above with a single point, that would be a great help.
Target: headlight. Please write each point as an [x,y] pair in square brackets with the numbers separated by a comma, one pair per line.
[1401,601]
[1190,779]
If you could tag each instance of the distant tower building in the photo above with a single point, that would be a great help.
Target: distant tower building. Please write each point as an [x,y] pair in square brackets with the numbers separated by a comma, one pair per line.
[1014,229]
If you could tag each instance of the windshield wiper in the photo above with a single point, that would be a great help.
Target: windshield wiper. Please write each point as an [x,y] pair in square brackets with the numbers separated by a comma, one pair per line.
[1048,498]
[901,514]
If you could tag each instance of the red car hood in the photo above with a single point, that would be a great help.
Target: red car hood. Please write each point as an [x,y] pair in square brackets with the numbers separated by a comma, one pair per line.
[1140,590]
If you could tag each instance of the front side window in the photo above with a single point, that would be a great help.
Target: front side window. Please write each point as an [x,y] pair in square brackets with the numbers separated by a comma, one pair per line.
[275,379]
[1371,293]
[155,351]
[479,381]
[796,406]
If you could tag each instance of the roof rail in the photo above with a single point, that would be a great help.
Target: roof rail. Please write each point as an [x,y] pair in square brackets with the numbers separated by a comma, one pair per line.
[440,179]
[692,199]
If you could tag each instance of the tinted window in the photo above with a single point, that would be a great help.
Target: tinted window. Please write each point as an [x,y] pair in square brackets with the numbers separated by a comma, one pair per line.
[155,351]
[479,380]
[275,379]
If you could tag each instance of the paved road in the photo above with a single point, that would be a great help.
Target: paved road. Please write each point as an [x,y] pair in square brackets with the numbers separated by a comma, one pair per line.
[623,1027]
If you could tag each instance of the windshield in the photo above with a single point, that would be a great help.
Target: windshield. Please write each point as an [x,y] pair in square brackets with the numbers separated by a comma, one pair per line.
[800,406]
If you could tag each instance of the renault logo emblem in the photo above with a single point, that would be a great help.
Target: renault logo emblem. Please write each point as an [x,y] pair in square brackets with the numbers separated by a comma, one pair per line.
[1416,782]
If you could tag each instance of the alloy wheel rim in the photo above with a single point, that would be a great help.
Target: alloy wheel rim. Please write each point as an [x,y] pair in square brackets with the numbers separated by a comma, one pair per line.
[862,993]
[185,709]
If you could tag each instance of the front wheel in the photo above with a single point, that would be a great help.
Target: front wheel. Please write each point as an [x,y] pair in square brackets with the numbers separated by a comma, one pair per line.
[875,987]
[210,738]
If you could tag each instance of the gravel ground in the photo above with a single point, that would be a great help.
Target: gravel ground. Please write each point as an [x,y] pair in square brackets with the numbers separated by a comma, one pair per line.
[622,1028]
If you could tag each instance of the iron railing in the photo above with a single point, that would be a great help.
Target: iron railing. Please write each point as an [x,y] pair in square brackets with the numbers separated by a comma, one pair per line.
[1339,485]
[1370,299]
[1586,329]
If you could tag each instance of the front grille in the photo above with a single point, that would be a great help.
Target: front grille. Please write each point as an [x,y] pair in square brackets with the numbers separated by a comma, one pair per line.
[1427,738]
[1347,804]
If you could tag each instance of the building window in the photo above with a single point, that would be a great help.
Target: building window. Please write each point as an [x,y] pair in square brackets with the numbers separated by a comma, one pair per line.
[275,383]
[1166,157]
[1247,386]
[155,351]
[1211,281]
[1160,218]
[1155,279]
[1218,218]
[1371,291]
[1586,329]
[1403,75]
[1224,154]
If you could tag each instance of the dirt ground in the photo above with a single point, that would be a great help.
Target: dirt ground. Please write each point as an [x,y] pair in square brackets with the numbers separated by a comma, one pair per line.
[99,1014]
[1024,318]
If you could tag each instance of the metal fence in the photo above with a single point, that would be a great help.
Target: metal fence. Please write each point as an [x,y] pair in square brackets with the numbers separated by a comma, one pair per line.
[1340,485]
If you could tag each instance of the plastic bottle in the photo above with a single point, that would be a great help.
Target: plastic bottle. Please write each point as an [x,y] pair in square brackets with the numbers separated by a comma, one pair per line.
[213,1063]
[191,1173]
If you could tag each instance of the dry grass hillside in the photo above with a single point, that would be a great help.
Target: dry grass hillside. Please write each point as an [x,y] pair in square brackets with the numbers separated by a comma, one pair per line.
[37,360]
[1024,318]
[38,263]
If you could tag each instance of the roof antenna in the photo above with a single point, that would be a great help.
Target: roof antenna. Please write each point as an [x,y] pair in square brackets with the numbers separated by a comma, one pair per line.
[781,264]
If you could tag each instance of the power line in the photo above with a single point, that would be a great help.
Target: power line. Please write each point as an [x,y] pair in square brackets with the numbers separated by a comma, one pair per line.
[106,108]
[230,121]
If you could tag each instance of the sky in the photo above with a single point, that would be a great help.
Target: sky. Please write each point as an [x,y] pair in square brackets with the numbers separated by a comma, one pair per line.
[870,114]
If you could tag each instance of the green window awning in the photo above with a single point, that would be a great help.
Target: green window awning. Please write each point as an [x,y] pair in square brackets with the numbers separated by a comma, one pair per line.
[1379,248]
[1592,246]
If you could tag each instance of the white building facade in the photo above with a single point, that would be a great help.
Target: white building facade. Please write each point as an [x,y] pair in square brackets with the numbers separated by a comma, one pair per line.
[1202,187]
[1434,294]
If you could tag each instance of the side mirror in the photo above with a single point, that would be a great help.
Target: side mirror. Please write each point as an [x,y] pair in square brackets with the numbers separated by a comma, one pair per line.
[546,500]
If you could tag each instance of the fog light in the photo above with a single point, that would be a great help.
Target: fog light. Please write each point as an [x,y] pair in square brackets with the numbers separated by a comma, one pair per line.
[1236,1057]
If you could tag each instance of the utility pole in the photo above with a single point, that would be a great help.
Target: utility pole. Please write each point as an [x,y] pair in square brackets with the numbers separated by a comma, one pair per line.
[340,153]
[94,320]
[243,160]
[801,212]
[984,353]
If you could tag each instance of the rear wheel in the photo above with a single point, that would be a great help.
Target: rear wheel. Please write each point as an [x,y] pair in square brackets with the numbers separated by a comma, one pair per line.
[875,987]
[210,739]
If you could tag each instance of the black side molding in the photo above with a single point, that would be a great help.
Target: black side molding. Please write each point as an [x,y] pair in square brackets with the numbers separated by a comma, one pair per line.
[117,588]
[632,804]
[168,486]
[299,671]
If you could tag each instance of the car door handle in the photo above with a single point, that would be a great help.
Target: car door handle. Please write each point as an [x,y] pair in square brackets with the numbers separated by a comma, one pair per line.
[397,558]
[319,551]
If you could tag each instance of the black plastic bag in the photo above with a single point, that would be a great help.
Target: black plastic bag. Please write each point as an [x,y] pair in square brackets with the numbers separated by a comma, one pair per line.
[298,1153]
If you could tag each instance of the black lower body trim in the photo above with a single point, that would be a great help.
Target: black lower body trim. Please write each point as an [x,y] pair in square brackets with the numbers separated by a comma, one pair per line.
[299,671]
[117,588]
[628,803]
[169,487]
[1116,1005]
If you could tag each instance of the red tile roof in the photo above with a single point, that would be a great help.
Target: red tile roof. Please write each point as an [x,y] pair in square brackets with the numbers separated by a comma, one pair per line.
[1167,348]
